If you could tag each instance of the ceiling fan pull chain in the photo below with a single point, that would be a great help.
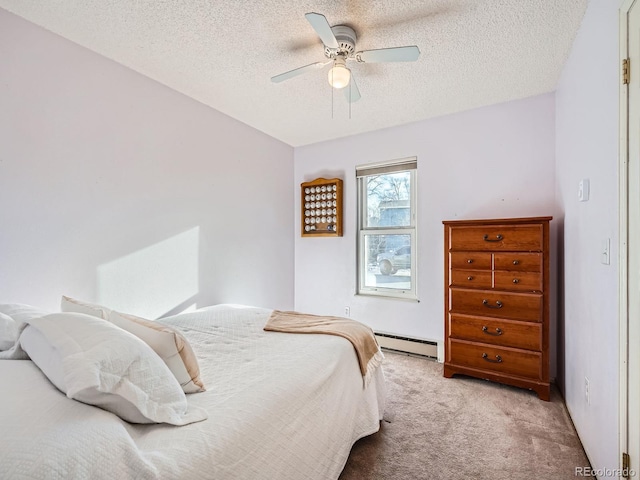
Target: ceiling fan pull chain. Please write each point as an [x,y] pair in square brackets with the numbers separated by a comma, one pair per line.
[332,102]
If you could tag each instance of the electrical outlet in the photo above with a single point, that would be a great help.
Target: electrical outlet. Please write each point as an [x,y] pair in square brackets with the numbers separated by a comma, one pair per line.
[347,311]
[587,393]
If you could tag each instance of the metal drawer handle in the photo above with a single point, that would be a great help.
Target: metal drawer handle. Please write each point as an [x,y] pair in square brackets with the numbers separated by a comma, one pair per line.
[470,260]
[497,360]
[470,278]
[498,304]
[497,239]
[486,330]
[516,262]
[516,281]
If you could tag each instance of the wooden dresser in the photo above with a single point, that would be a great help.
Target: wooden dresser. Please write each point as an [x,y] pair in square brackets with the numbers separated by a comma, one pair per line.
[497,301]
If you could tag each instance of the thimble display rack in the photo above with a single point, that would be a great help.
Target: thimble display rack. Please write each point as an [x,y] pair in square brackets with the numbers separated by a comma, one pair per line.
[321,207]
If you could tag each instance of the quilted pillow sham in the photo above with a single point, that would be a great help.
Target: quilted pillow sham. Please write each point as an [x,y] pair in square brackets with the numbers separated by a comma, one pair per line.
[169,344]
[8,332]
[12,320]
[97,363]
[21,312]
[68,304]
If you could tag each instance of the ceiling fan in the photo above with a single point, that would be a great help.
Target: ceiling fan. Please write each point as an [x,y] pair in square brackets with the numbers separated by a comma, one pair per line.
[339,47]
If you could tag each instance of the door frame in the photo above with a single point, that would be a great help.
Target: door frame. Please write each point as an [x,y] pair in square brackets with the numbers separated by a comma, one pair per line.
[629,224]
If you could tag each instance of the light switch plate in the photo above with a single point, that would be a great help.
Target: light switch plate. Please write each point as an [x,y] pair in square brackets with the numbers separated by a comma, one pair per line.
[583,190]
[606,251]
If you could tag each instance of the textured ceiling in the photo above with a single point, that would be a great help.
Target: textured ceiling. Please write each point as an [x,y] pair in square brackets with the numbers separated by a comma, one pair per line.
[223,53]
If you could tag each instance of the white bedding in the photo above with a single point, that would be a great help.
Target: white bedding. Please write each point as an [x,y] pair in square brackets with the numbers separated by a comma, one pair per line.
[281,406]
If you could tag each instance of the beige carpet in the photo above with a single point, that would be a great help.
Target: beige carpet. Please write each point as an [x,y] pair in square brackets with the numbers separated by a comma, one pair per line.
[463,428]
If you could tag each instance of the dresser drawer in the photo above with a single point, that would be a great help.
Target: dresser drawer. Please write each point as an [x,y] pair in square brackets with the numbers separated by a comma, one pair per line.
[511,361]
[518,262]
[505,333]
[511,305]
[470,278]
[518,281]
[523,238]
[470,260]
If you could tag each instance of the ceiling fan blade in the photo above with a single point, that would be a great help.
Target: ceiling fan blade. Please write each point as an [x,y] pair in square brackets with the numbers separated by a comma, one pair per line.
[298,71]
[397,54]
[323,29]
[351,91]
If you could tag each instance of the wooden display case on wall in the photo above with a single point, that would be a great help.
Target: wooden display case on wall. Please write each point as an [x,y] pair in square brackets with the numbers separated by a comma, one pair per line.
[321,208]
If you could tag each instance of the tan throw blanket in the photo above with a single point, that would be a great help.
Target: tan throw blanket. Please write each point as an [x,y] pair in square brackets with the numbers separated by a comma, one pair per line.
[361,336]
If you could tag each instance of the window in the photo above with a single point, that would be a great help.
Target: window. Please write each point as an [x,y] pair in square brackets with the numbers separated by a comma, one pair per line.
[387,228]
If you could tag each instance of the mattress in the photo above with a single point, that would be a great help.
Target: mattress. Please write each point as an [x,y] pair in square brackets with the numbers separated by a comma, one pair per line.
[280,406]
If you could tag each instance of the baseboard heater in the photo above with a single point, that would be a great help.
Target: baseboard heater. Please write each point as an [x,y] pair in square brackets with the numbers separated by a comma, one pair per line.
[414,346]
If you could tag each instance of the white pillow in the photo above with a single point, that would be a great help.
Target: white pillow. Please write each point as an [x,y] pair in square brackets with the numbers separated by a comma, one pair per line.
[21,312]
[33,341]
[97,363]
[169,344]
[8,332]
[10,328]
[68,304]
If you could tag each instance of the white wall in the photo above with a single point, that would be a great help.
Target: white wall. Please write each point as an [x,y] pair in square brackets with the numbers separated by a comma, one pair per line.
[493,162]
[117,189]
[587,147]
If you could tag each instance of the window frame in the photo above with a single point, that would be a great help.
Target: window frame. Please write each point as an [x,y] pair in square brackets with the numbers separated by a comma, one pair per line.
[363,230]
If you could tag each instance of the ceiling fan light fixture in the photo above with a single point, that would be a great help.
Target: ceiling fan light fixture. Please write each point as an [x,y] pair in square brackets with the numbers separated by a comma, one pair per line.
[339,75]
[339,44]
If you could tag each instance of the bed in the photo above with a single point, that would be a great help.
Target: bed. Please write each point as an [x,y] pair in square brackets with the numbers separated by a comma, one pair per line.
[279,406]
